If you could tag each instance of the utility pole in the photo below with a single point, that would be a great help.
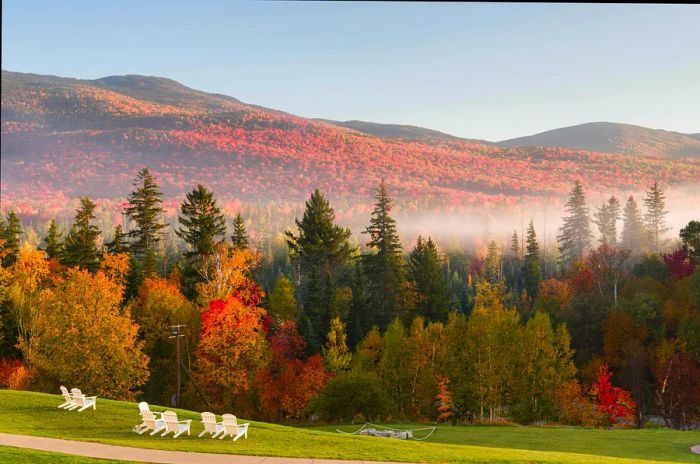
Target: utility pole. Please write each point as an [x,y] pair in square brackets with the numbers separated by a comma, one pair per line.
[175,331]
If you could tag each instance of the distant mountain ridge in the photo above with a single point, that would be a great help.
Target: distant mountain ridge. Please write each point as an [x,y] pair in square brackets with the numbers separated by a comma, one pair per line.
[614,138]
[64,138]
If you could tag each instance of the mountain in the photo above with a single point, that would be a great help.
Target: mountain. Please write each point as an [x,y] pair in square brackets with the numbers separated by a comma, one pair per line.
[397,131]
[615,138]
[63,138]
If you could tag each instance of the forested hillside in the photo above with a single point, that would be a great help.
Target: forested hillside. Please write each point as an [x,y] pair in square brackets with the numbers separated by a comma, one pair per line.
[62,138]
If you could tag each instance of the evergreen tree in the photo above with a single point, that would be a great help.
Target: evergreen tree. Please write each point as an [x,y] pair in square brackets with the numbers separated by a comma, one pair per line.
[515,245]
[606,219]
[384,265]
[322,252]
[144,208]
[359,319]
[690,236]
[202,223]
[493,262]
[240,235]
[119,243]
[80,246]
[10,232]
[633,232]
[575,234]
[655,216]
[532,270]
[425,271]
[54,242]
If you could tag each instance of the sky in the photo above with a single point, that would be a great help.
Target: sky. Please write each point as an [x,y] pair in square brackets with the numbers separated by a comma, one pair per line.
[486,71]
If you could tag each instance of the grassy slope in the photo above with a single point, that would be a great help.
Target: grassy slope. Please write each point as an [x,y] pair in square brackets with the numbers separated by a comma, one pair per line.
[36,414]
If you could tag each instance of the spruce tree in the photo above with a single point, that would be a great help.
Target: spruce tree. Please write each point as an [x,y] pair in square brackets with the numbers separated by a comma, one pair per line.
[119,243]
[384,264]
[202,223]
[655,217]
[54,242]
[575,234]
[690,236]
[80,245]
[425,271]
[532,269]
[633,232]
[10,232]
[322,252]
[493,262]
[240,234]
[145,210]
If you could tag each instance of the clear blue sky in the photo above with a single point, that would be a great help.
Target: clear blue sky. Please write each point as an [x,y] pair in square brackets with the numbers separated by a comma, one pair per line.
[490,71]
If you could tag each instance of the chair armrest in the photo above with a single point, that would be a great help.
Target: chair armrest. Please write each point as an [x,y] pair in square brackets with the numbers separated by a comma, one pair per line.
[90,397]
[185,421]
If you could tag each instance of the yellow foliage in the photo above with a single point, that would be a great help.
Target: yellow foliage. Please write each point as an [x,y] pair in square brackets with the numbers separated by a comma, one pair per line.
[83,339]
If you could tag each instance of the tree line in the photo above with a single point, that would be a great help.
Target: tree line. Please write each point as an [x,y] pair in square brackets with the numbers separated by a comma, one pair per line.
[343,334]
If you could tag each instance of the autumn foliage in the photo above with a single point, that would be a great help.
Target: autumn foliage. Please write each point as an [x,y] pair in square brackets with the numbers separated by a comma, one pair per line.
[613,402]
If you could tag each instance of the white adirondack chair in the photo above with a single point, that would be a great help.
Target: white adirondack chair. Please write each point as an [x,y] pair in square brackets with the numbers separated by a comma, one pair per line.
[68,400]
[174,425]
[210,425]
[151,422]
[144,408]
[82,402]
[233,428]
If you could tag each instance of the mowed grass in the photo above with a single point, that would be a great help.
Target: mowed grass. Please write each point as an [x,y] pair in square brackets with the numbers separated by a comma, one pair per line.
[659,444]
[28,456]
[36,414]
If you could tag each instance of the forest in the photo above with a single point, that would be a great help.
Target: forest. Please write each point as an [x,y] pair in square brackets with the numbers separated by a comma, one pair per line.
[307,326]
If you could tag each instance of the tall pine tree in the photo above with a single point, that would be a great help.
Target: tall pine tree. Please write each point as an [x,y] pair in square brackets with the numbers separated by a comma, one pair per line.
[81,246]
[240,234]
[575,234]
[54,242]
[201,224]
[145,210]
[655,217]
[425,271]
[606,218]
[10,232]
[384,264]
[322,252]
[633,233]
[119,243]
[532,269]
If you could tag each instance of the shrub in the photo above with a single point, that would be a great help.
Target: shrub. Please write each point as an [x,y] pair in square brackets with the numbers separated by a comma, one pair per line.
[351,395]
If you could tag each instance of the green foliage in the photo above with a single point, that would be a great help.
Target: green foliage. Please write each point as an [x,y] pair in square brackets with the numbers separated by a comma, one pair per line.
[384,264]
[81,246]
[690,236]
[532,270]
[425,272]
[493,262]
[655,216]
[239,239]
[575,234]
[634,235]
[10,232]
[54,242]
[119,242]
[145,210]
[351,396]
[606,218]
[322,253]
[201,223]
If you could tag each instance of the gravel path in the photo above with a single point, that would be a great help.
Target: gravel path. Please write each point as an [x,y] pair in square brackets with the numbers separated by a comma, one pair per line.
[695,449]
[126,453]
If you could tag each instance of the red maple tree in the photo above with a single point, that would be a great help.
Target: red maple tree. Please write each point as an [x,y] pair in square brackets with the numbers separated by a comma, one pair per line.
[613,402]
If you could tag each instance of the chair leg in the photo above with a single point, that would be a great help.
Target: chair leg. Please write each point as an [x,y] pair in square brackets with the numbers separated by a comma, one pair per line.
[143,430]
[200,435]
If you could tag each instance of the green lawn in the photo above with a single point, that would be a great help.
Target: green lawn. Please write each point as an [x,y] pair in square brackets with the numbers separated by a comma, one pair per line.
[36,414]
[28,456]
